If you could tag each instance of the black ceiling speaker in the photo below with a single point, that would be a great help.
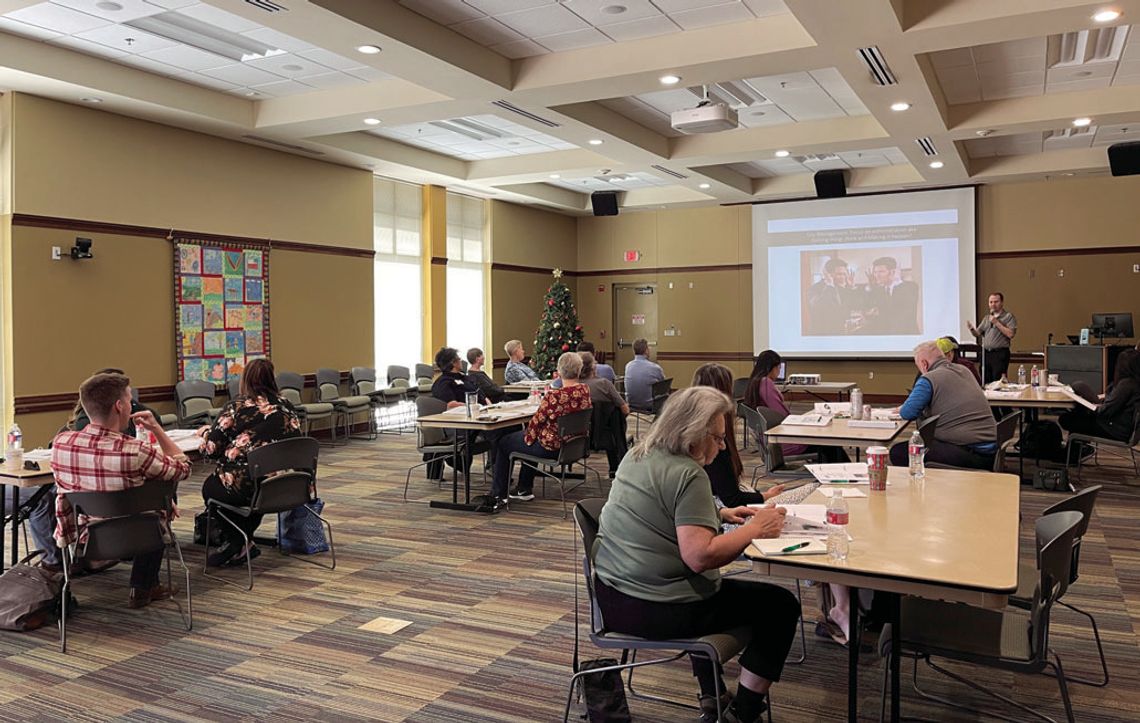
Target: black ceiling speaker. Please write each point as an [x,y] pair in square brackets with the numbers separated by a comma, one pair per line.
[1124,158]
[604,203]
[830,184]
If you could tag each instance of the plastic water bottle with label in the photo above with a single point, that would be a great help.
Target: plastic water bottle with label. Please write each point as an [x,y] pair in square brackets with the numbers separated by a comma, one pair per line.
[15,452]
[916,450]
[1021,375]
[856,403]
[837,517]
[1034,377]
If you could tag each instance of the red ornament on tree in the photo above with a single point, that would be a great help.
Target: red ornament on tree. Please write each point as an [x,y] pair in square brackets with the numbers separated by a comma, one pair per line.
[565,347]
[550,302]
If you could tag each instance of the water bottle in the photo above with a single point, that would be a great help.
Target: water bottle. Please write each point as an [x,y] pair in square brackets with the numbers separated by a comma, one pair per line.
[837,517]
[15,453]
[856,403]
[917,452]
[1034,380]
[1021,375]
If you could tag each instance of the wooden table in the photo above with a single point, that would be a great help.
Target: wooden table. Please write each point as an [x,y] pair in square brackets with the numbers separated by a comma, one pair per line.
[836,434]
[923,540]
[524,387]
[39,480]
[836,388]
[502,417]
[1032,400]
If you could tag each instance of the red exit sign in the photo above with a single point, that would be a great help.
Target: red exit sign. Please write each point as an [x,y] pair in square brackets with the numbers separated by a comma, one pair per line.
[631,256]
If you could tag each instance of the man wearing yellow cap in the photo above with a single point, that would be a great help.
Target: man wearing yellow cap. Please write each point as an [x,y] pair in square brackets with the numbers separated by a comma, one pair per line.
[948,345]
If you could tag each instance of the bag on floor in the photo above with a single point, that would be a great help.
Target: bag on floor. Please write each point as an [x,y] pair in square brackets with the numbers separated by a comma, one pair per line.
[604,693]
[300,532]
[1051,480]
[1042,441]
[216,537]
[28,595]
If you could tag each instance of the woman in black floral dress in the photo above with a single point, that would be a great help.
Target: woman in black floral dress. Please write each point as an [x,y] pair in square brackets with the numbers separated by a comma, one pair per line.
[257,417]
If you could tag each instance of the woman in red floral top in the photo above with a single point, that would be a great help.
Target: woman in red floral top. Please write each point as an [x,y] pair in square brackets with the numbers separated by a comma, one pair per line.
[540,438]
[257,417]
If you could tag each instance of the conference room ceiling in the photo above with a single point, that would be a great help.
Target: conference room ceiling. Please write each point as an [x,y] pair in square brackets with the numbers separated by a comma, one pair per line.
[546,101]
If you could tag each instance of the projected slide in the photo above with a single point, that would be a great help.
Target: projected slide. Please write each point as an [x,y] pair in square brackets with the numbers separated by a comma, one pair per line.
[868,276]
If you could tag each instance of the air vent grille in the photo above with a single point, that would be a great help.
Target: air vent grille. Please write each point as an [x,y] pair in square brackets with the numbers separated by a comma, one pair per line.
[267,5]
[512,108]
[283,144]
[668,172]
[926,145]
[877,66]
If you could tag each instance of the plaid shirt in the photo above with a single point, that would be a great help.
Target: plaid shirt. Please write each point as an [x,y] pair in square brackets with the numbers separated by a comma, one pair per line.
[97,459]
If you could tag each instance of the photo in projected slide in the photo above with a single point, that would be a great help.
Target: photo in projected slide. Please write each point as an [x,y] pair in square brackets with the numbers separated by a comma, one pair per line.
[861,291]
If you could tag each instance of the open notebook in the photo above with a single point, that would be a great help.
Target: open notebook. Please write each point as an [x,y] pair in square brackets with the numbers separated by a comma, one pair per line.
[775,547]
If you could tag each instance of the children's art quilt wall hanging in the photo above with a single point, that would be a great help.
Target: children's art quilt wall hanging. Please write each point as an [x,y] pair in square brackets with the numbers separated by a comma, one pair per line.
[221,309]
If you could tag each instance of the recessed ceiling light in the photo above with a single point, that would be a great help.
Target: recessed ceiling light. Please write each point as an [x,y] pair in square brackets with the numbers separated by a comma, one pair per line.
[293,67]
[670,79]
[368,49]
[936,164]
[705,185]
[1068,174]
[555,175]
[252,93]
[372,121]
[108,6]
[782,154]
[91,100]
[1082,122]
[614,9]
[900,106]
[595,141]
[1106,16]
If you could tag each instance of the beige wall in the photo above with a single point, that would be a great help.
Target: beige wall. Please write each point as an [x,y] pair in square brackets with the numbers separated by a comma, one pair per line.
[69,318]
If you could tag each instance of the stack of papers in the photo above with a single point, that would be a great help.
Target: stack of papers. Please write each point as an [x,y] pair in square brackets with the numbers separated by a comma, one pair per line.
[872,423]
[782,546]
[842,492]
[841,473]
[38,455]
[1003,393]
[807,420]
[841,409]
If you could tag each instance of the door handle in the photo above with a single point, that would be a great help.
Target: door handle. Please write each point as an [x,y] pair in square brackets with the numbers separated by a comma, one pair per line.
[621,343]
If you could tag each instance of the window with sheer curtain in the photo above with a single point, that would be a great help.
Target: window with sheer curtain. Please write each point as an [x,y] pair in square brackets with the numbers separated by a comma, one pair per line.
[397,219]
[466,268]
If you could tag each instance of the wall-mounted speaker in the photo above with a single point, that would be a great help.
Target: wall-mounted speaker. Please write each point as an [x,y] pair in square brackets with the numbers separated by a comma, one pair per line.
[1124,158]
[604,203]
[830,184]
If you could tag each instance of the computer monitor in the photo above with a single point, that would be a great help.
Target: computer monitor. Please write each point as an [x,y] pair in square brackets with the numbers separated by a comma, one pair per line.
[782,375]
[1118,325]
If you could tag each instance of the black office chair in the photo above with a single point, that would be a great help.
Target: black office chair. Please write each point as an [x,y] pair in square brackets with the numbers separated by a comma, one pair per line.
[1097,443]
[574,429]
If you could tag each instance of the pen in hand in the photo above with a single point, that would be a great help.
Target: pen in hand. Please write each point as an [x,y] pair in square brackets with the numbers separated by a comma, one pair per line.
[797,546]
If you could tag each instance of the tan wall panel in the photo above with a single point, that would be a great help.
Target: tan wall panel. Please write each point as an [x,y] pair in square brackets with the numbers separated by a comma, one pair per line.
[594,240]
[525,236]
[82,163]
[699,236]
[701,314]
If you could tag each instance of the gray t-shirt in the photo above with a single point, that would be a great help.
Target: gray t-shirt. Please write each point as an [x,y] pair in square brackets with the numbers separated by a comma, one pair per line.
[603,390]
[992,338]
[636,551]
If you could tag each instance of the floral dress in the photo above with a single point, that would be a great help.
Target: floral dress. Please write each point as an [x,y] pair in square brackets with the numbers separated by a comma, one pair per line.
[543,425]
[243,425]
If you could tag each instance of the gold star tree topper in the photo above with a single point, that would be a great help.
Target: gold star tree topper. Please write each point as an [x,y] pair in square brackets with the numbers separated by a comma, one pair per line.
[558,273]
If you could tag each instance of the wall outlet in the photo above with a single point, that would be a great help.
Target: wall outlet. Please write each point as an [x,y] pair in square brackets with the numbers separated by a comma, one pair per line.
[870,375]
[1060,273]
[1136,268]
[56,253]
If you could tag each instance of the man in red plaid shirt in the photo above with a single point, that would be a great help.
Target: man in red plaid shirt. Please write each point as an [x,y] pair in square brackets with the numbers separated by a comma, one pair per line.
[100,458]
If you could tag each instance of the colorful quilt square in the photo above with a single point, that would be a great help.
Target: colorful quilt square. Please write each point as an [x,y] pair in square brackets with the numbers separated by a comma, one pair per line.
[191,343]
[253,263]
[193,369]
[215,316]
[191,288]
[214,343]
[233,264]
[235,368]
[235,343]
[212,288]
[253,343]
[217,370]
[253,291]
[235,317]
[234,291]
[190,258]
[253,317]
[212,262]
[190,316]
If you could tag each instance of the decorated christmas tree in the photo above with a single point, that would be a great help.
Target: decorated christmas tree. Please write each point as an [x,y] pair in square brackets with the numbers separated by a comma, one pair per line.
[558,329]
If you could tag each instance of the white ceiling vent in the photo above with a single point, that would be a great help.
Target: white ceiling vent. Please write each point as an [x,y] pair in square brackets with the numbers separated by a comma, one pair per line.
[1094,45]
[267,5]
[283,144]
[512,108]
[668,172]
[190,31]
[877,66]
[471,128]
[927,145]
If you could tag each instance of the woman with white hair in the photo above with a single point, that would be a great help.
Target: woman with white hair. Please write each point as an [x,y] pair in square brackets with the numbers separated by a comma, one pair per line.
[660,550]
[541,437]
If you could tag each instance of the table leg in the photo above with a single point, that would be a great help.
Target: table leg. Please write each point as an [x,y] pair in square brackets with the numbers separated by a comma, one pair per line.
[896,652]
[1020,453]
[853,659]
[455,504]
[15,525]
[3,502]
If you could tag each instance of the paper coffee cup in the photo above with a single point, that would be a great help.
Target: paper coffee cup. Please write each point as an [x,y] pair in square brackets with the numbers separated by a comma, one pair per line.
[877,458]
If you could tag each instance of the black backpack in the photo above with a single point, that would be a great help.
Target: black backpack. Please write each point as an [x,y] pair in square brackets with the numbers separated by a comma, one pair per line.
[1043,441]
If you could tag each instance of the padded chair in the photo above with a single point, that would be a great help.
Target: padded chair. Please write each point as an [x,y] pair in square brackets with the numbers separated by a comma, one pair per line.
[1011,639]
[437,444]
[1114,445]
[1082,502]
[759,421]
[1006,428]
[131,523]
[233,387]
[284,475]
[718,647]
[574,429]
[926,429]
[195,400]
[364,385]
[291,384]
[739,387]
[328,391]
[168,421]
[660,391]
[424,376]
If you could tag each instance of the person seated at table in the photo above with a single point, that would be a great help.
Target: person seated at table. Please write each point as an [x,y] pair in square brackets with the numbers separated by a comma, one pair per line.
[485,384]
[603,371]
[517,370]
[100,458]
[762,392]
[640,376]
[948,345]
[966,435]
[603,390]
[79,419]
[257,417]
[452,387]
[725,470]
[541,437]
[660,548]
[1113,418]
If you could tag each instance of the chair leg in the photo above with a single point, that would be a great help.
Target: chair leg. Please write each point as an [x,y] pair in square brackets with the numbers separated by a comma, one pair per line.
[332,547]
[245,538]
[803,636]
[982,689]
[633,693]
[65,593]
[1064,687]
[188,616]
[1099,648]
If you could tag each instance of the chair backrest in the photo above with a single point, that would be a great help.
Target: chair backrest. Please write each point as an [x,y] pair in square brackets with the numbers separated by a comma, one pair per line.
[424,371]
[131,525]
[1082,502]
[587,514]
[291,384]
[400,383]
[425,406]
[1055,535]
[296,453]
[363,380]
[398,372]
[1007,427]
[282,492]
[739,387]
[574,428]
[233,388]
[926,429]
[194,397]
[661,388]
[463,365]
[328,385]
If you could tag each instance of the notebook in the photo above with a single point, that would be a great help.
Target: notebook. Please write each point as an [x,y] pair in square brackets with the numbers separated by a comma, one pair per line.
[807,420]
[775,547]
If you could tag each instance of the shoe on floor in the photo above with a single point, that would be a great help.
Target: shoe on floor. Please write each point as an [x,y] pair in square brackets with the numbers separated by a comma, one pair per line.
[140,597]
[239,560]
[224,554]
[828,629]
[523,495]
[93,567]
[708,706]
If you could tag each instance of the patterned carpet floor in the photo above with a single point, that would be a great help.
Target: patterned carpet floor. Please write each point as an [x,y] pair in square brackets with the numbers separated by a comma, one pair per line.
[433,615]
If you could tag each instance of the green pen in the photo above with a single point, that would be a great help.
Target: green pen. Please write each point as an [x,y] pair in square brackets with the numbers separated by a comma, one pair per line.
[797,546]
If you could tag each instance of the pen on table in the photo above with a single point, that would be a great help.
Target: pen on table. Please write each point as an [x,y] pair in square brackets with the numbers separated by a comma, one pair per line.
[797,546]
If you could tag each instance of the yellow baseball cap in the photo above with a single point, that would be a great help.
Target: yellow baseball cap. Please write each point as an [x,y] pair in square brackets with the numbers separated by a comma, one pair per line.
[945,345]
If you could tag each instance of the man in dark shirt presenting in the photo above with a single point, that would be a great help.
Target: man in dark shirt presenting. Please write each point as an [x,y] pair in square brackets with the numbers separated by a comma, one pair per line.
[829,300]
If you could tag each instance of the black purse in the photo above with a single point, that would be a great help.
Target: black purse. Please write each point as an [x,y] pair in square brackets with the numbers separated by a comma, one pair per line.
[216,538]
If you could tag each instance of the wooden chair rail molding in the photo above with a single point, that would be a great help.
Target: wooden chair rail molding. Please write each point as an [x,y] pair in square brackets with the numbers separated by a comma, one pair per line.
[36,403]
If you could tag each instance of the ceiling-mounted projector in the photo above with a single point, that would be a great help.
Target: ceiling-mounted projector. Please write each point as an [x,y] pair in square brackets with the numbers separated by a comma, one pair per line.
[705,118]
